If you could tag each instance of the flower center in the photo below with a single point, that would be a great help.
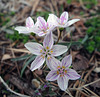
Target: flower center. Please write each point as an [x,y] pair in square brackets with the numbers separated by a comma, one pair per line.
[46,51]
[61,70]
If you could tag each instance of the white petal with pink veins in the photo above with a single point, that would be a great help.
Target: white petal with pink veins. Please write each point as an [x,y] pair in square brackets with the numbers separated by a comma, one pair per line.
[64,17]
[37,63]
[72,74]
[59,49]
[29,22]
[52,76]
[67,61]
[48,41]
[62,83]
[34,48]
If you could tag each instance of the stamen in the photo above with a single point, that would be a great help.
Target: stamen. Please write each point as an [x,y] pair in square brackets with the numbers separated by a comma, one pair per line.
[51,51]
[40,51]
[63,67]
[47,47]
[42,56]
[65,71]
[57,72]
[48,57]
[58,67]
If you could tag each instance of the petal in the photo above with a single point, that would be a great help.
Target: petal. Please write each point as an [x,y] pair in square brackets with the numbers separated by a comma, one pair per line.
[50,26]
[41,23]
[63,83]
[59,49]
[52,76]
[48,41]
[29,22]
[37,31]
[64,17]
[71,22]
[53,19]
[38,62]
[22,29]
[52,62]
[67,61]
[34,48]
[72,74]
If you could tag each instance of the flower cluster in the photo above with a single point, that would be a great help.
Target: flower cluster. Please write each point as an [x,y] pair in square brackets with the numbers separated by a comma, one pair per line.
[60,71]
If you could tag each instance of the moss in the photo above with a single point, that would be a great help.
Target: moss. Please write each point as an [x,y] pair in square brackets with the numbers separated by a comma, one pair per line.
[93,33]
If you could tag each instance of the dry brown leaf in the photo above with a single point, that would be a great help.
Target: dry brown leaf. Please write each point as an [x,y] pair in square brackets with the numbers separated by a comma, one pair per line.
[80,62]
[5,57]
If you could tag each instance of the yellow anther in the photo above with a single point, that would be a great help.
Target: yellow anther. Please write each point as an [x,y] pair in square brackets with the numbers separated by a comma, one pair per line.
[57,72]
[45,32]
[47,47]
[51,51]
[63,67]
[42,56]
[65,71]
[58,67]
[40,51]
[48,57]
[61,75]
[63,23]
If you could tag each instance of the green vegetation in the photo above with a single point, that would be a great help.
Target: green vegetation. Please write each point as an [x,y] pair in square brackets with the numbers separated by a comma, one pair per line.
[93,32]
[43,14]
[16,36]
[90,3]
[69,1]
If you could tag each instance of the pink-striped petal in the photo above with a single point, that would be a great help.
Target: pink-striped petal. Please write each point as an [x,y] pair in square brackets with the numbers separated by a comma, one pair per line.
[72,74]
[58,50]
[29,22]
[52,76]
[62,82]
[37,63]
[34,48]
[64,18]
[48,41]
[52,62]
[41,23]
[67,61]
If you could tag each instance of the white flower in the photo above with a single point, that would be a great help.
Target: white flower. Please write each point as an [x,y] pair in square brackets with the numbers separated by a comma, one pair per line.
[28,28]
[45,52]
[62,73]
[61,22]
[42,27]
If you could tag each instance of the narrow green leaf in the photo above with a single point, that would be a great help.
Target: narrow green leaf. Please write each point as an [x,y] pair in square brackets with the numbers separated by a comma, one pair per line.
[81,80]
[73,43]
[20,58]
[84,40]
[27,63]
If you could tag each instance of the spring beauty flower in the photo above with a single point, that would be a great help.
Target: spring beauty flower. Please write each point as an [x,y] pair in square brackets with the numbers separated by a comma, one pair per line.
[28,28]
[62,22]
[45,52]
[62,73]
[43,27]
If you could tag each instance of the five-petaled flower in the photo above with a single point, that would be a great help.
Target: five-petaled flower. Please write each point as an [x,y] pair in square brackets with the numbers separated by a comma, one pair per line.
[62,22]
[47,51]
[30,27]
[62,73]
[43,27]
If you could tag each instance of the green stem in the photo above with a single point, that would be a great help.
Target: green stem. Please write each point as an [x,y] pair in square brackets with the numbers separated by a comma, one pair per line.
[34,35]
